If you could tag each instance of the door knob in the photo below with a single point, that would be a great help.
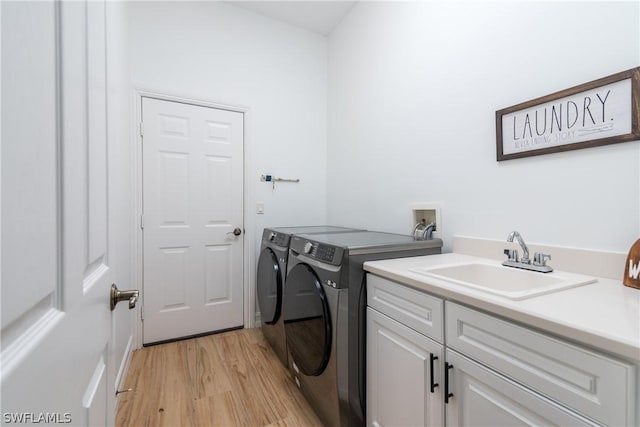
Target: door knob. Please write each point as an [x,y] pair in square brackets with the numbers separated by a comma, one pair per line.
[118,295]
[236,231]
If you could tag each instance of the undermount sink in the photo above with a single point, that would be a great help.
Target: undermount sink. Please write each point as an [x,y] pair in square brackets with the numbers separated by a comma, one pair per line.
[507,282]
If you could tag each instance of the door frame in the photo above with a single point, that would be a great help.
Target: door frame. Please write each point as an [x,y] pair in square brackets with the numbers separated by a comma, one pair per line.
[248,190]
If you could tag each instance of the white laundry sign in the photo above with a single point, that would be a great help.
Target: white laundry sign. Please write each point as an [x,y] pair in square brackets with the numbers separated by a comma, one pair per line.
[593,113]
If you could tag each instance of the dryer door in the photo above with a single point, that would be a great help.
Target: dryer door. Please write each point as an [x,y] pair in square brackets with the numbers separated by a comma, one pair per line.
[307,322]
[269,286]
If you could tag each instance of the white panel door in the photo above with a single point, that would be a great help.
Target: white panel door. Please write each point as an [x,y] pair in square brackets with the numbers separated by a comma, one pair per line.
[192,203]
[56,272]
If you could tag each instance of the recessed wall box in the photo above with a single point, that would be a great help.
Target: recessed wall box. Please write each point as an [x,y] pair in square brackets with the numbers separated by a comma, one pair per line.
[423,215]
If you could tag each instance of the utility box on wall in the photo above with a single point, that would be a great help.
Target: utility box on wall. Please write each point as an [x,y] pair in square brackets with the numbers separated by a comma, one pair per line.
[425,215]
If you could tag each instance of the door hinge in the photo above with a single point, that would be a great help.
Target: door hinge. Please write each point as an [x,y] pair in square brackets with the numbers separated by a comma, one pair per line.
[141,129]
[142,222]
[142,312]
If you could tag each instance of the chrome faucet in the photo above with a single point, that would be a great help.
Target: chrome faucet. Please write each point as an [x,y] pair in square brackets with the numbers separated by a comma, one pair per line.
[523,245]
[539,259]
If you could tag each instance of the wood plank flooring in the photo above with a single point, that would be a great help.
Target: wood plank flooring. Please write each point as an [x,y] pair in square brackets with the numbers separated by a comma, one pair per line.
[228,379]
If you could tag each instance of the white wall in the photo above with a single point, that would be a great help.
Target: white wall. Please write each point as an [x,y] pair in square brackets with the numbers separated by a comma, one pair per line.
[218,52]
[413,90]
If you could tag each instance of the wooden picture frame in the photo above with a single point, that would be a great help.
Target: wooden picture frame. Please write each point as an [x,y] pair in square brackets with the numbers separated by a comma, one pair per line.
[600,112]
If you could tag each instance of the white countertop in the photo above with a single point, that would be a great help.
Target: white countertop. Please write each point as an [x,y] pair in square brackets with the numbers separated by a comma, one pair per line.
[604,314]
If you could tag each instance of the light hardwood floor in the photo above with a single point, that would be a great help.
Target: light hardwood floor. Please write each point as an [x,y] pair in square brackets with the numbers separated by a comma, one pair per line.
[228,379]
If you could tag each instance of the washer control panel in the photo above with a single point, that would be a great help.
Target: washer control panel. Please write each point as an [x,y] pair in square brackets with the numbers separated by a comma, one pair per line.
[318,251]
[308,248]
[275,238]
[324,253]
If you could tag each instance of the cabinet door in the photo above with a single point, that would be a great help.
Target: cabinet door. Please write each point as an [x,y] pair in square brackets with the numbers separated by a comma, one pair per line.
[481,397]
[599,386]
[399,375]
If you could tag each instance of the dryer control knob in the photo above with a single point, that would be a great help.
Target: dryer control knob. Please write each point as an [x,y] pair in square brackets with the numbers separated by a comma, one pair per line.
[308,247]
[272,236]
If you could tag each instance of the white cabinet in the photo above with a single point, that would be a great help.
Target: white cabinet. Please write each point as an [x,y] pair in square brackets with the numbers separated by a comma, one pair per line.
[489,371]
[404,362]
[417,310]
[596,385]
[483,398]
[402,367]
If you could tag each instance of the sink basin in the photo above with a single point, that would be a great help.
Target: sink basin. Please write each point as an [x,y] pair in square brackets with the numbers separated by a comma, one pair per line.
[507,282]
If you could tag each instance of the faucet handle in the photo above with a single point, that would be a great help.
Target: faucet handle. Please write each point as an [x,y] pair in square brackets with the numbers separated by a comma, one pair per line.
[512,254]
[540,258]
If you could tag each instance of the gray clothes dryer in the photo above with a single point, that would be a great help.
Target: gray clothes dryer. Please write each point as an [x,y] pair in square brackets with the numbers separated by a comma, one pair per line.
[270,279]
[324,309]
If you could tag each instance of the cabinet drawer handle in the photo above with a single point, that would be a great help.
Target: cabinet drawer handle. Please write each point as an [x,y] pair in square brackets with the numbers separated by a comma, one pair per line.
[447,395]
[433,384]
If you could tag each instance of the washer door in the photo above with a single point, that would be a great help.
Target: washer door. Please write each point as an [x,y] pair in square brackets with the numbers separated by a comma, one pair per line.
[307,322]
[269,287]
